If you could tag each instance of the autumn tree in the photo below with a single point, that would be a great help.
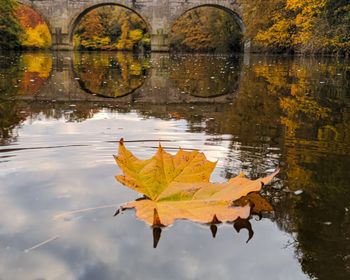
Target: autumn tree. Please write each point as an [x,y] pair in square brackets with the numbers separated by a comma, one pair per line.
[306,26]
[90,31]
[111,28]
[206,29]
[293,26]
[22,27]
[336,27]
[10,30]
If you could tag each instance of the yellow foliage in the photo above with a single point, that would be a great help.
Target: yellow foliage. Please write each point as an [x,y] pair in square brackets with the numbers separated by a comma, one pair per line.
[42,64]
[279,35]
[125,27]
[136,35]
[295,99]
[125,44]
[102,41]
[37,37]
[76,41]
[293,26]
[136,68]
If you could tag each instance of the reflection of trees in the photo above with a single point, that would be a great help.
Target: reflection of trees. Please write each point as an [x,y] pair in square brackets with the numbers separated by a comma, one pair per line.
[26,72]
[9,74]
[316,151]
[20,74]
[206,76]
[319,164]
[252,119]
[322,219]
[37,68]
[110,75]
[10,118]
[13,113]
[310,110]
[296,93]
[301,108]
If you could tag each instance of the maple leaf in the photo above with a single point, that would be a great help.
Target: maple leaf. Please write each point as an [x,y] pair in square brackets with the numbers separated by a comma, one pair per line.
[178,187]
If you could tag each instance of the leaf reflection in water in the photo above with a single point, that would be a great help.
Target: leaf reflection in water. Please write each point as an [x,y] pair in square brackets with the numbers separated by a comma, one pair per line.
[253,199]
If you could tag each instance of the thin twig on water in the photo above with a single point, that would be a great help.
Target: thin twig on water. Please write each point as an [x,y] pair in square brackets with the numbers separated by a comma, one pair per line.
[41,244]
[62,215]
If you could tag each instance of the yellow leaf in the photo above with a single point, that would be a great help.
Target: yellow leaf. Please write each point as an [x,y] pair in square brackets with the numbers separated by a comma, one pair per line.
[178,187]
[151,177]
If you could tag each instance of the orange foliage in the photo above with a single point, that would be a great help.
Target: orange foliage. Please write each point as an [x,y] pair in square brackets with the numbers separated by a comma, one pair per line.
[36,31]
[27,17]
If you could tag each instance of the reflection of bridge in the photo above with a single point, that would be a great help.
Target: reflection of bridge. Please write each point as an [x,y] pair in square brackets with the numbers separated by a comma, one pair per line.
[66,84]
[62,16]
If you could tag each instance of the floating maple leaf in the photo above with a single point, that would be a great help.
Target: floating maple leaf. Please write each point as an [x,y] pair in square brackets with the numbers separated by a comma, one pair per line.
[178,187]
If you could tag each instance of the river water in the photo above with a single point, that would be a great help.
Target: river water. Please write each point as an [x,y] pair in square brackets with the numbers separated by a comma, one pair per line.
[61,115]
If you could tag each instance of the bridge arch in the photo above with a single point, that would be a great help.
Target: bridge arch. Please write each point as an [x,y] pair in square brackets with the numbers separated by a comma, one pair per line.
[230,9]
[77,17]
[224,6]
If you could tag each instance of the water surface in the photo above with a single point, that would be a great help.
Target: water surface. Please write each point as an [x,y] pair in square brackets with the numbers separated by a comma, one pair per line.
[61,115]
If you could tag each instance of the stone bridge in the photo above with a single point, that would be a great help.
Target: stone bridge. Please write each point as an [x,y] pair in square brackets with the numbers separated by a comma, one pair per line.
[62,16]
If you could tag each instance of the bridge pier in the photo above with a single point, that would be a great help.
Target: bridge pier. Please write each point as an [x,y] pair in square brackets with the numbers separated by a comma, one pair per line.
[61,41]
[160,42]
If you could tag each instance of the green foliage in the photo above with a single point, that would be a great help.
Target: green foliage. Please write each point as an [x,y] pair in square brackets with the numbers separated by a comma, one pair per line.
[206,29]
[10,30]
[111,28]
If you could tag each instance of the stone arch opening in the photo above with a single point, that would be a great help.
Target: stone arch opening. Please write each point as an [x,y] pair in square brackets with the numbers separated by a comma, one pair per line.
[35,24]
[232,12]
[83,13]
[236,21]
